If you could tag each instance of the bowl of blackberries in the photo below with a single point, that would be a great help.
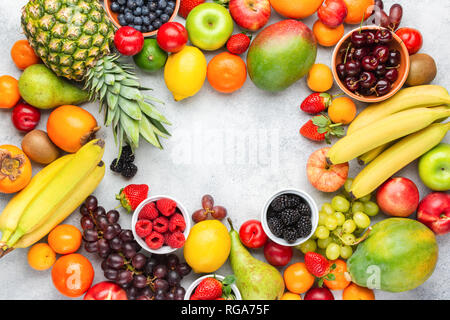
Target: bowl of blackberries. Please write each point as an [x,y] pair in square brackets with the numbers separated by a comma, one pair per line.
[370,64]
[290,217]
[146,16]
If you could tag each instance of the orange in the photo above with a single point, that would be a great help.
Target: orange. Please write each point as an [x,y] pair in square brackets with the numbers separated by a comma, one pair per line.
[15,169]
[9,92]
[320,78]
[342,110]
[64,239]
[290,296]
[70,127]
[41,256]
[226,72]
[23,54]
[72,275]
[357,10]
[340,281]
[297,278]
[327,36]
[296,9]
[355,292]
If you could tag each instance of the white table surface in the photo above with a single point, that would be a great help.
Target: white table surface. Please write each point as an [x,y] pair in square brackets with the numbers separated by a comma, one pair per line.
[209,151]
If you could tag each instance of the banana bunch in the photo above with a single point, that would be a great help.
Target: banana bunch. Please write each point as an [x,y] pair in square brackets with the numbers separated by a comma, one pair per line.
[51,196]
[389,135]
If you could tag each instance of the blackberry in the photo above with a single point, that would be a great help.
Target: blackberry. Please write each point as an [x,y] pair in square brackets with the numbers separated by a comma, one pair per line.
[290,235]
[304,226]
[294,201]
[116,165]
[280,203]
[129,170]
[304,209]
[290,216]
[276,226]
[272,213]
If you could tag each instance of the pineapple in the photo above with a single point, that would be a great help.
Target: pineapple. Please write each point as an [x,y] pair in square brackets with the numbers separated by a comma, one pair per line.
[73,38]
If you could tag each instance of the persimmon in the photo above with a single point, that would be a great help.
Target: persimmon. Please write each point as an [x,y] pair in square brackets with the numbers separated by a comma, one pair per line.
[9,92]
[23,54]
[70,127]
[15,169]
[65,239]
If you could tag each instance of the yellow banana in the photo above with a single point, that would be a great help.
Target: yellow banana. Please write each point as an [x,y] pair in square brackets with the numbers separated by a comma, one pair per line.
[11,214]
[59,189]
[83,190]
[413,97]
[369,156]
[396,157]
[383,131]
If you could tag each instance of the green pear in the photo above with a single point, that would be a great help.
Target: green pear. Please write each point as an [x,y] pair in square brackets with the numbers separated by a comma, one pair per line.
[256,280]
[41,88]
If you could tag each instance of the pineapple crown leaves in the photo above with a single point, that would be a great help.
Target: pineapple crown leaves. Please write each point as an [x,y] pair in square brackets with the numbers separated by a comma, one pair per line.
[324,125]
[129,111]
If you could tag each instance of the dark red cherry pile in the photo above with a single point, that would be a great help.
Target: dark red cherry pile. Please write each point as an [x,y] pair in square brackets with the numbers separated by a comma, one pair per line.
[369,67]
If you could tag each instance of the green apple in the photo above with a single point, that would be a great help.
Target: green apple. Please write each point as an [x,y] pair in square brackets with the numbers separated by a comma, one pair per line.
[209,26]
[434,168]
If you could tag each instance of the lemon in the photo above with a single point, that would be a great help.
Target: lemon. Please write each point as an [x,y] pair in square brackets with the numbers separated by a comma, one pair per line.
[185,72]
[207,246]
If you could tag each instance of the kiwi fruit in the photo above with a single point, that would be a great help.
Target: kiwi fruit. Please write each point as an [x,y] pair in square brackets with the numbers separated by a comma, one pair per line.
[422,70]
[38,147]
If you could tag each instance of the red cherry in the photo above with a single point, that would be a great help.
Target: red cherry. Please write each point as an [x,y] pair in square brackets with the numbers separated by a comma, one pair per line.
[128,41]
[25,117]
[172,37]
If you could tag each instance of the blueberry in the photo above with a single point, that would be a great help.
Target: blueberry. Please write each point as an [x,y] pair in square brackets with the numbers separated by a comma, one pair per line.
[115,7]
[151,28]
[122,9]
[121,2]
[168,10]
[127,10]
[137,11]
[145,11]
[129,17]
[144,29]
[138,28]
[157,23]
[164,18]
[152,6]
[137,21]
[131,4]
[152,16]
[146,21]
[122,20]
[162,4]
[171,4]
[158,12]
[140,3]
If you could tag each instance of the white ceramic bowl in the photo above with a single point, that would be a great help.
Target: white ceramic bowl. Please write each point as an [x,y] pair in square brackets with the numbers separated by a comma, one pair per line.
[194,285]
[164,249]
[314,216]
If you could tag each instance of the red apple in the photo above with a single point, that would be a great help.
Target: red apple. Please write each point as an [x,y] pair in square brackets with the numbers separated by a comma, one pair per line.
[434,212]
[251,15]
[332,13]
[319,294]
[276,254]
[106,291]
[325,177]
[398,197]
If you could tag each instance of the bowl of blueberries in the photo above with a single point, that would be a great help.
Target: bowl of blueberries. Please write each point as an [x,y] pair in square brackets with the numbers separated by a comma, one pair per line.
[370,64]
[146,16]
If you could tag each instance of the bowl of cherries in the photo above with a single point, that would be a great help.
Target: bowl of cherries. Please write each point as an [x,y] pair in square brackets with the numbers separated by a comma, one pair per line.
[370,64]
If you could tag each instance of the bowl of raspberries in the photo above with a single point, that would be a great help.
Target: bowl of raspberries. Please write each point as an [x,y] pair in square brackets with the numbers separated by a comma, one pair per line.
[160,224]
[290,217]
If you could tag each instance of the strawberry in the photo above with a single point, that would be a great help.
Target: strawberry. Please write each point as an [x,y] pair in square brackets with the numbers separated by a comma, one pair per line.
[316,103]
[132,195]
[317,264]
[208,289]
[187,5]
[238,43]
[320,128]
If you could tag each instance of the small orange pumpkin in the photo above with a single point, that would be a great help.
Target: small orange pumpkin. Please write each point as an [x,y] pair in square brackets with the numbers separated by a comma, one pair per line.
[15,169]
[70,127]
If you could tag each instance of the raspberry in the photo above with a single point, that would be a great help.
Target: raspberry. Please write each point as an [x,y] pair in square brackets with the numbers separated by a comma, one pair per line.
[143,228]
[149,212]
[167,207]
[155,240]
[177,223]
[161,224]
[176,240]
